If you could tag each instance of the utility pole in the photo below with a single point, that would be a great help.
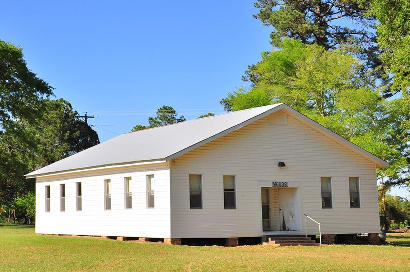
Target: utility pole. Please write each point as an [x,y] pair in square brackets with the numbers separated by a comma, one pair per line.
[86,117]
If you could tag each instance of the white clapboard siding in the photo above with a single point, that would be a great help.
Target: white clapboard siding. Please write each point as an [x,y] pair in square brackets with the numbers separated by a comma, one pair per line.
[139,221]
[251,154]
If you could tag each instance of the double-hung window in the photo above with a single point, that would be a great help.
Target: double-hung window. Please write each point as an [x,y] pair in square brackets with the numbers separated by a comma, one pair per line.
[127,193]
[229,192]
[150,192]
[354,192]
[107,194]
[195,191]
[62,197]
[326,190]
[79,197]
[47,198]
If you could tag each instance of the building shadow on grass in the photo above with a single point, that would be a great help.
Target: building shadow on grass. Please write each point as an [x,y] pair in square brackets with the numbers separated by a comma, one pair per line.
[17,226]
[399,240]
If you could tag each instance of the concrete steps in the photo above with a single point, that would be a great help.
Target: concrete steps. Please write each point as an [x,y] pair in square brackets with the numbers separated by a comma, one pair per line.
[291,241]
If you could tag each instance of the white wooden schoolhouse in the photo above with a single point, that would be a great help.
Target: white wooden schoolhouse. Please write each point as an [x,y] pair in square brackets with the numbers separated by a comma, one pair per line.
[262,171]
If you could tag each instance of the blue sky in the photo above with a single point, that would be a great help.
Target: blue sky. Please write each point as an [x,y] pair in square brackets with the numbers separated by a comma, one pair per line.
[121,60]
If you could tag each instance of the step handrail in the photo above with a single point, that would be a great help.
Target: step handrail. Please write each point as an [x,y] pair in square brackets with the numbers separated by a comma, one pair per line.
[318,223]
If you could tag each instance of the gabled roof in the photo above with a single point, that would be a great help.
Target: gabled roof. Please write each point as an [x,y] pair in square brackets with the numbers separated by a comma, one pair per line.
[168,142]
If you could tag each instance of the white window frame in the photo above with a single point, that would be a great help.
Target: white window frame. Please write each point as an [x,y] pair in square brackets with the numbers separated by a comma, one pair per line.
[79,197]
[201,190]
[360,198]
[62,198]
[47,200]
[150,193]
[127,194]
[331,193]
[234,191]
[107,195]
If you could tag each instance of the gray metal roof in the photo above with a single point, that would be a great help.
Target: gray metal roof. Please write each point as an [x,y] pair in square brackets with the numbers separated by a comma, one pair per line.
[153,144]
[168,142]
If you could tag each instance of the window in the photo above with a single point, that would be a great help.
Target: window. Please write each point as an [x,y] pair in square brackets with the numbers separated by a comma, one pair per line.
[62,197]
[326,185]
[127,193]
[107,194]
[79,195]
[229,192]
[47,202]
[354,192]
[150,192]
[195,191]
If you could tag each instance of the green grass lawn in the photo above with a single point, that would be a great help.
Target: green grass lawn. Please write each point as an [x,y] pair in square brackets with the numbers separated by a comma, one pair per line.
[22,250]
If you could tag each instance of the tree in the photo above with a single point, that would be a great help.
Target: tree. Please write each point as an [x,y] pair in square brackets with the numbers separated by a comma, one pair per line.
[394,39]
[21,97]
[25,207]
[27,145]
[60,132]
[206,115]
[393,209]
[328,23]
[166,115]
[21,91]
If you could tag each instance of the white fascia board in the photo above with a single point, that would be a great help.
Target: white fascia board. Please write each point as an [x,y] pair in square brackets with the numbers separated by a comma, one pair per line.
[99,167]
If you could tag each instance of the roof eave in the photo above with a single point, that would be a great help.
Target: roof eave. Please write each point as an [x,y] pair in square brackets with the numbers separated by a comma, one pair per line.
[96,167]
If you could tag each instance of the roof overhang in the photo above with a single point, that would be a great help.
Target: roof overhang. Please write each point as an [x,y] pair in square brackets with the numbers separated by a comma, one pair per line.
[96,168]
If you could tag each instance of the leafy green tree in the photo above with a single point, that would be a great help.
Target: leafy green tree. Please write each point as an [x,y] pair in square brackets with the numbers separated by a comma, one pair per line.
[139,127]
[34,131]
[21,91]
[166,115]
[328,23]
[206,115]
[25,207]
[393,38]
[315,21]
[27,145]
[60,133]
[393,209]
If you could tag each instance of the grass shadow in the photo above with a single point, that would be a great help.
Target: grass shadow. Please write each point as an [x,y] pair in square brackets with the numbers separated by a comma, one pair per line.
[17,226]
[402,239]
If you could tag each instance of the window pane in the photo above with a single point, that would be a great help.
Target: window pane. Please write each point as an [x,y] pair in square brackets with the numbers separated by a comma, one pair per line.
[47,191]
[107,194]
[62,190]
[47,200]
[62,197]
[107,186]
[229,192]
[78,196]
[354,192]
[79,193]
[150,192]
[195,191]
[128,194]
[229,182]
[229,200]
[326,191]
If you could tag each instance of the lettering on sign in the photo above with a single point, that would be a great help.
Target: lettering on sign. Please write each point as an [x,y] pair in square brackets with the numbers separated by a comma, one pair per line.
[279,184]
